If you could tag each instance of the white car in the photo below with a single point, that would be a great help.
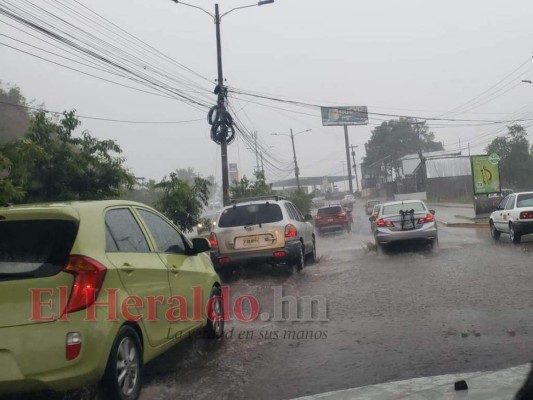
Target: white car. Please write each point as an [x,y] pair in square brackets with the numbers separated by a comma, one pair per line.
[514,216]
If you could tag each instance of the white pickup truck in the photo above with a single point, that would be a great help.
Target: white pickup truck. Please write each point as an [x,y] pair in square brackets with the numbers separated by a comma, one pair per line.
[514,216]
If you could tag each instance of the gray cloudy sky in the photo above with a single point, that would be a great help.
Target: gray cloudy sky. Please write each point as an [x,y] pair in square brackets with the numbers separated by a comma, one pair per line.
[410,57]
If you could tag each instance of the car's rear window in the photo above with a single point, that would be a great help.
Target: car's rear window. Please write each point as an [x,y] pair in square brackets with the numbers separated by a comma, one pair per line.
[250,214]
[329,210]
[396,208]
[524,200]
[34,248]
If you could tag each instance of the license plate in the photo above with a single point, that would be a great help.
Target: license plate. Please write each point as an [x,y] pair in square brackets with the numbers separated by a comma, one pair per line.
[251,242]
[408,226]
[330,219]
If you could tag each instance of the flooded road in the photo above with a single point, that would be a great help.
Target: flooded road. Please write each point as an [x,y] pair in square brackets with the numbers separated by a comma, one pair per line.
[467,306]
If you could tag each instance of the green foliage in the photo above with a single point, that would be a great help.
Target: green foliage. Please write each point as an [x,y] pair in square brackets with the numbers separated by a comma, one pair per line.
[51,164]
[516,165]
[181,202]
[251,188]
[396,138]
[145,192]
[302,200]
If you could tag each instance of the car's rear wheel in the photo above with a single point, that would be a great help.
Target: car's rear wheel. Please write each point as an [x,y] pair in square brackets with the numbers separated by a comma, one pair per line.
[300,260]
[348,227]
[123,375]
[494,233]
[515,237]
[215,314]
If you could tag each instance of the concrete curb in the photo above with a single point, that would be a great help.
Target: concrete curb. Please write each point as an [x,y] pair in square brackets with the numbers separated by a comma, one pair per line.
[464,224]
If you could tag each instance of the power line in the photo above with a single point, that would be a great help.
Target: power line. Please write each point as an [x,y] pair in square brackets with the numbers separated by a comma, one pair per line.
[102,118]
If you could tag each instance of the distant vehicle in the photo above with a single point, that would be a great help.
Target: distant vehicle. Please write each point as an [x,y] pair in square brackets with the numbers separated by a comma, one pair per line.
[262,230]
[332,218]
[348,202]
[373,217]
[370,205]
[108,252]
[514,216]
[207,223]
[408,220]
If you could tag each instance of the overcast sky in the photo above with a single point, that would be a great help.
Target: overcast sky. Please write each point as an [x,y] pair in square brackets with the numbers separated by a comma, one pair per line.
[417,58]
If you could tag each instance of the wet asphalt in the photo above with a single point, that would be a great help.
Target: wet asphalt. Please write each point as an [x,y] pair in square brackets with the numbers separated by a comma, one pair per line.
[466,306]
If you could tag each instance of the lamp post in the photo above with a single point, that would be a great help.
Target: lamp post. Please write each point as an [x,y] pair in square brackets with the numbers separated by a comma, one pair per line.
[221,100]
[296,169]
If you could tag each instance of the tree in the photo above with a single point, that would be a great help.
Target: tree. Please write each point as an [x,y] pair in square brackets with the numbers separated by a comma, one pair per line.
[14,116]
[181,202]
[251,188]
[396,138]
[49,164]
[516,158]
[302,200]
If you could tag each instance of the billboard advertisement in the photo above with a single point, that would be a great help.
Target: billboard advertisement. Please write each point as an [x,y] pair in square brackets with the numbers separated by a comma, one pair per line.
[486,174]
[335,116]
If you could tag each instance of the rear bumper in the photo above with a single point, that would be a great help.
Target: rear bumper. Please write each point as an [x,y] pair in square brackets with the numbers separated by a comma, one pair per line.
[385,236]
[332,226]
[32,357]
[523,227]
[256,257]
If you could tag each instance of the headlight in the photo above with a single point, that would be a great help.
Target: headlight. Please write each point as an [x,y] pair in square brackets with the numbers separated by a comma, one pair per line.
[199,226]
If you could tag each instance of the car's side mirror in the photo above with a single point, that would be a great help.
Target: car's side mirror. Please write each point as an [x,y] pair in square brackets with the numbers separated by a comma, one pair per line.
[372,219]
[432,212]
[200,245]
[308,217]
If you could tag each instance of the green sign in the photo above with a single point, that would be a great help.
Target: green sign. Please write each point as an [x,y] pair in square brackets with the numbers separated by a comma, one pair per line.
[486,173]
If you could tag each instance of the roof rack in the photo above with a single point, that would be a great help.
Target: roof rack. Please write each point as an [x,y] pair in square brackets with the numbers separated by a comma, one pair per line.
[256,198]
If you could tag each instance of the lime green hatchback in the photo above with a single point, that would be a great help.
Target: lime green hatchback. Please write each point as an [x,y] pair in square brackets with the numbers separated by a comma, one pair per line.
[90,291]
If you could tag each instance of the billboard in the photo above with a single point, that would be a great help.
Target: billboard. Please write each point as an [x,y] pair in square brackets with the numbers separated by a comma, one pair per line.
[334,116]
[486,174]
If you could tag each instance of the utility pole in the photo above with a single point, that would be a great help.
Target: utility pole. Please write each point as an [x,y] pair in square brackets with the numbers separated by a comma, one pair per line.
[222,107]
[348,166]
[296,170]
[355,166]
[262,165]
[343,175]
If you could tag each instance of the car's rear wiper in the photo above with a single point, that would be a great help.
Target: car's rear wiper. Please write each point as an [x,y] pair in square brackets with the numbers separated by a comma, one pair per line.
[11,275]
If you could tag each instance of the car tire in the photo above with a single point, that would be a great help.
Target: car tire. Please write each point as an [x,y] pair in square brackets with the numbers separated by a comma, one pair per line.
[311,258]
[348,227]
[494,233]
[299,262]
[513,235]
[215,314]
[123,375]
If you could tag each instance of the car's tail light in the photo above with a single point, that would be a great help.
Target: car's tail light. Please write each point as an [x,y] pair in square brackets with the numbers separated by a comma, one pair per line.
[526,215]
[342,214]
[223,260]
[88,277]
[280,254]
[428,218]
[384,223]
[73,346]
[291,231]
[213,240]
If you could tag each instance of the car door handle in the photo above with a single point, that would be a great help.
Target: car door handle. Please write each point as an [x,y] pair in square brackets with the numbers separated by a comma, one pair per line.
[127,268]
[175,270]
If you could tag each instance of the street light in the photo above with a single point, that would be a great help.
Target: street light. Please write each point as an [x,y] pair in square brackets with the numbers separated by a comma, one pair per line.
[221,101]
[296,170]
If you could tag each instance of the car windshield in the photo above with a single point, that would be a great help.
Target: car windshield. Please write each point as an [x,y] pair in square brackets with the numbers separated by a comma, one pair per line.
[34,248]
[251,214]
[524,200]
[329,210]
[391,209]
